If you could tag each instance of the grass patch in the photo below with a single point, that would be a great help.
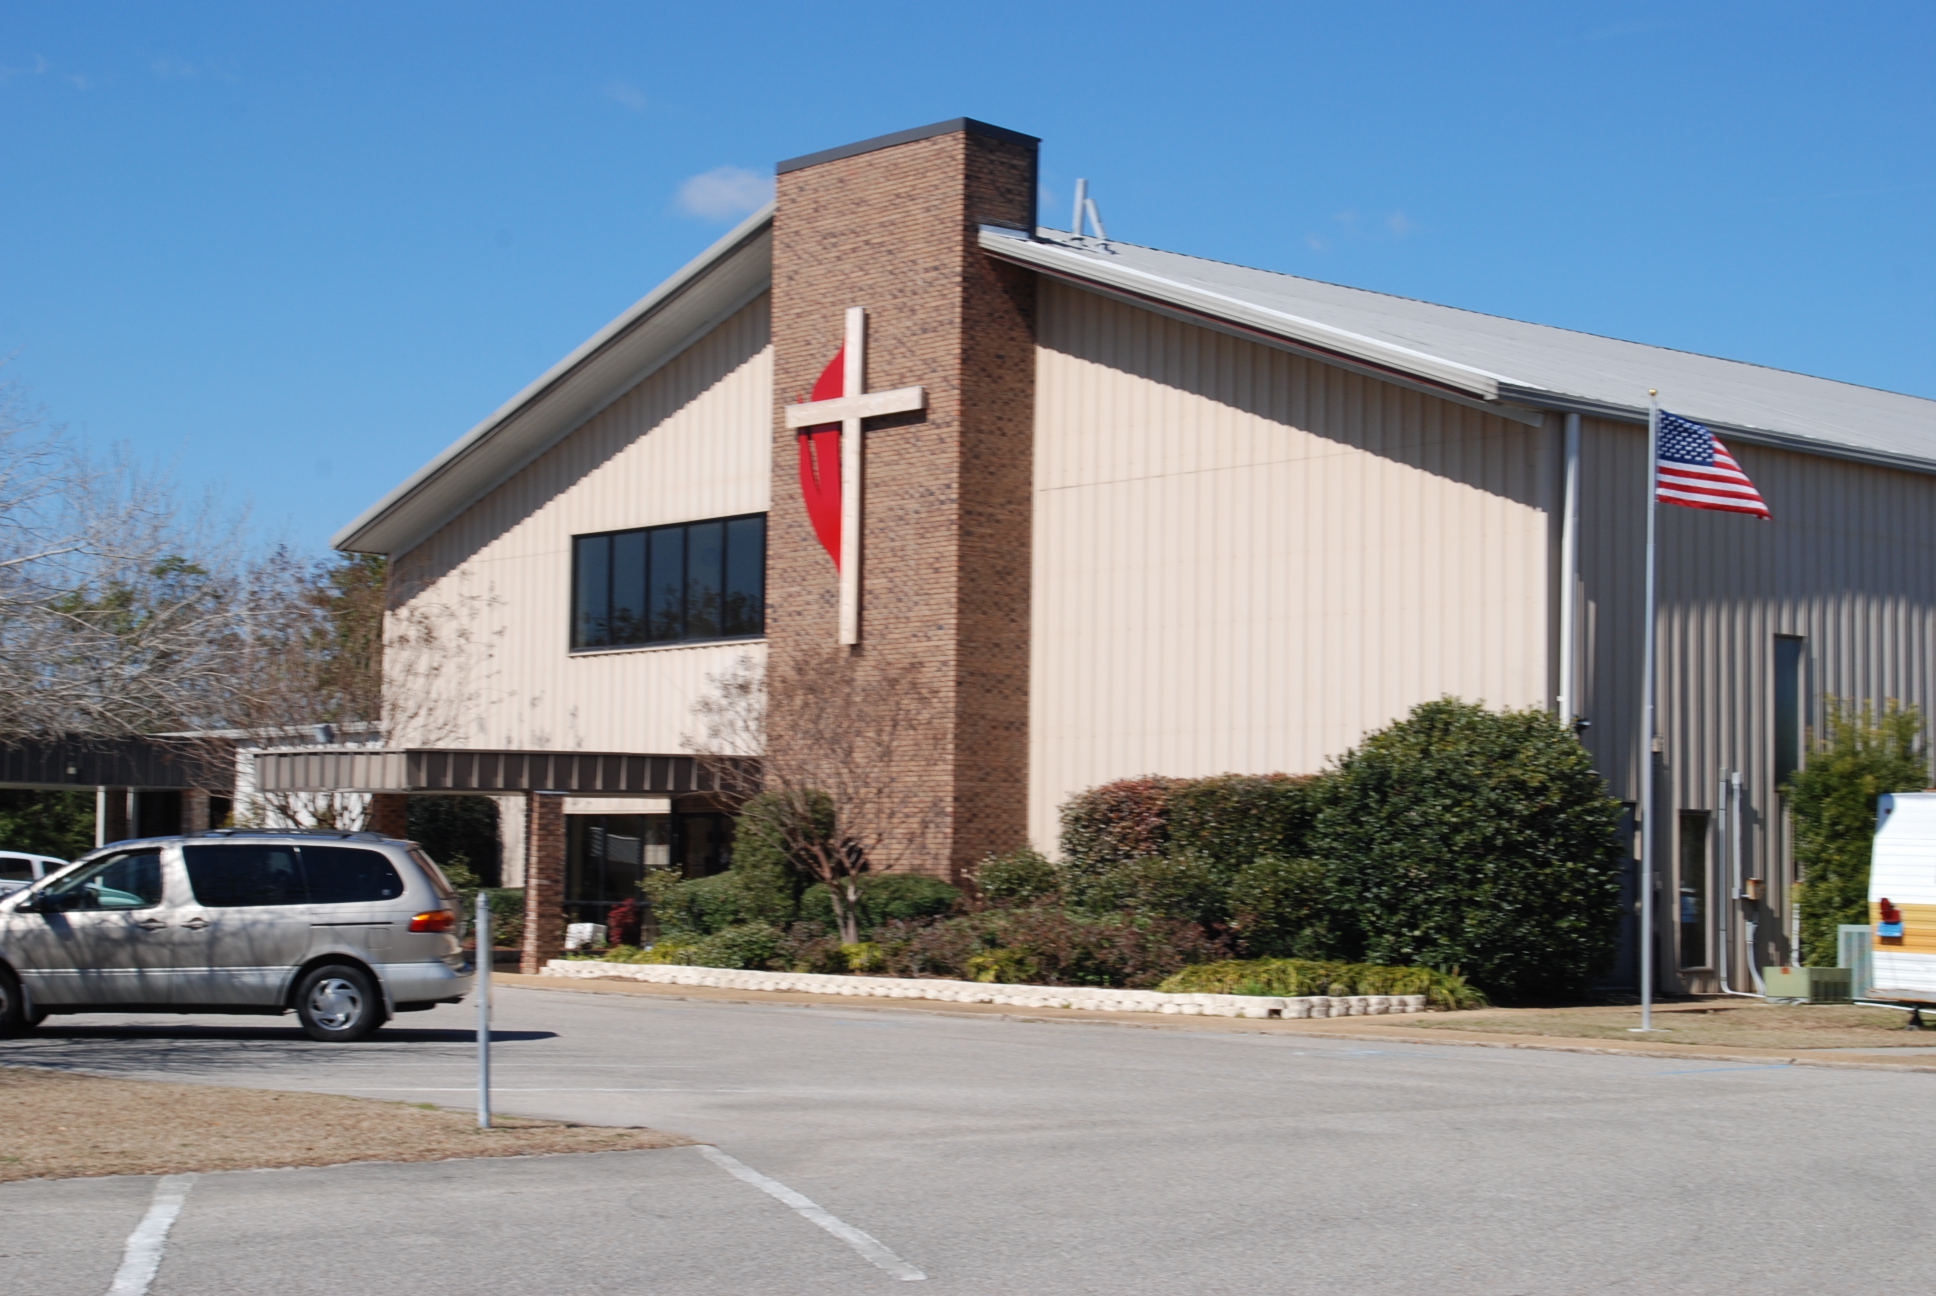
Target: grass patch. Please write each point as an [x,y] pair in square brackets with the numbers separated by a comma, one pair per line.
[1739,1023]
[63,1125]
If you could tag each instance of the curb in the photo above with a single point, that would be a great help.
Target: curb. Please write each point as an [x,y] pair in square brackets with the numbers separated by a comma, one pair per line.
[1081,998]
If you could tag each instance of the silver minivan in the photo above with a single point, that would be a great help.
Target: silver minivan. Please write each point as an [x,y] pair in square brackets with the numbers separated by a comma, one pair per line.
[342,928]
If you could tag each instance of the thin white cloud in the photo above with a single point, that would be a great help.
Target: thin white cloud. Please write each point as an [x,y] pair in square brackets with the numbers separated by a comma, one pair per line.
[1318,242]
[80,82]
[724,193]
[167,65]
[39,68]
[1400,224]
[624,92]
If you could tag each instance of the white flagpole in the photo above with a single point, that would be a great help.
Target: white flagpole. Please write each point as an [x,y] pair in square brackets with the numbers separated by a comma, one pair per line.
[1647,726]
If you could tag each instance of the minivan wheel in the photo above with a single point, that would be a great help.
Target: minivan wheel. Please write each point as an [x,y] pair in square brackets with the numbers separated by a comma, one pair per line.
[14,1019]
[338,1004]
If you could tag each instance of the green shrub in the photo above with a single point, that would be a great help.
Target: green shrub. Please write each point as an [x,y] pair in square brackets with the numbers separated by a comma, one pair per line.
[1232,819]
[1186,886]
[1469,840]
[1292,978]
[1048,946]
[884,897]
[751,891]
[1017,878]
[1226,819]
[1114,824]
[1833,800]
[1280,908]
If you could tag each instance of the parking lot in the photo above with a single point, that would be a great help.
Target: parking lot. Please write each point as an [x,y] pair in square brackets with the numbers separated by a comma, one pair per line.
[1000,1156]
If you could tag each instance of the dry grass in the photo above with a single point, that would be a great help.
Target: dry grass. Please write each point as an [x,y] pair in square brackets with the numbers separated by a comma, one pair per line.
[62,1125]
[1740,1023]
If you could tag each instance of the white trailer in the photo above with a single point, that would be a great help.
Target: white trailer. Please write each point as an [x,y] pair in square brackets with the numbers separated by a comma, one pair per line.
[1902,898]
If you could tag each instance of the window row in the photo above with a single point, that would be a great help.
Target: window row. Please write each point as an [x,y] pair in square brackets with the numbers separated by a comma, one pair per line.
[670,584]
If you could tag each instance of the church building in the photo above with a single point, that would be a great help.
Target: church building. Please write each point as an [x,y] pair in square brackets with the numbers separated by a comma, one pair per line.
[1126,511]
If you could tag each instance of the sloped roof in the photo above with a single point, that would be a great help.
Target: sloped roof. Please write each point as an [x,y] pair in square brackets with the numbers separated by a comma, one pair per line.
[648,336]
[1509,366]
[1492,359]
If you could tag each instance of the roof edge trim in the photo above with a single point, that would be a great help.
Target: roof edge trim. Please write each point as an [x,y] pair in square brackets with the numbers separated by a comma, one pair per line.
[1768,438]
[966,125]
[1038,254]
[348,538]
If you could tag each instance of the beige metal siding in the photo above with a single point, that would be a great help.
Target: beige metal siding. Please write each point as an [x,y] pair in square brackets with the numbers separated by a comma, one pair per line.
[1845,564]
[691,441]
[1244,560]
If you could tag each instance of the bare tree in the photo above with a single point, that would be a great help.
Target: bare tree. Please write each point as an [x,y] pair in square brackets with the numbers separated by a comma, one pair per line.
[831,750]
[333,643]
[116,603]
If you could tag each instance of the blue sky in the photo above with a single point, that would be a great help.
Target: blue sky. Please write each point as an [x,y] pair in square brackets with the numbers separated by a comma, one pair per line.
[295,249]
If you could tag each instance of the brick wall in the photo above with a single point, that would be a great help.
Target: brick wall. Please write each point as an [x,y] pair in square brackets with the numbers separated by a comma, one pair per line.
[946,528]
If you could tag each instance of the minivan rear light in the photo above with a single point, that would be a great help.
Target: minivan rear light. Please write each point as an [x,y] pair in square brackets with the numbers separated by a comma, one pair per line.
[437,920]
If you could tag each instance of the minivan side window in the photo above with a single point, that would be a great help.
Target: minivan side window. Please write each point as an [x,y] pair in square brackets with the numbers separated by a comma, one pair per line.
[131,880]
[349,875]
[16,868]
[238,877]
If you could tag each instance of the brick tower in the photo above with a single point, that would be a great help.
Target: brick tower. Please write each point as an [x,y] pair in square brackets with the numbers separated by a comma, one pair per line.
[890,225]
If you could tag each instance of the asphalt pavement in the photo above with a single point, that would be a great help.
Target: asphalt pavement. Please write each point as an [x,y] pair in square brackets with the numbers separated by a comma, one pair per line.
[1007,1158]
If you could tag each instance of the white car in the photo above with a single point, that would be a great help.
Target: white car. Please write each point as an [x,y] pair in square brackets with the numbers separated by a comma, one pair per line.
[19,870]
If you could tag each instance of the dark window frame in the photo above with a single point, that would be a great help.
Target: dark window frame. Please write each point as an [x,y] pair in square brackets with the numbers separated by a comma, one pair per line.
[1694,879]
[579,641]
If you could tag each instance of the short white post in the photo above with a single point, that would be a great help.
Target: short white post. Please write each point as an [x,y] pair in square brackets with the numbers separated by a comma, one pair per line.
[485,950]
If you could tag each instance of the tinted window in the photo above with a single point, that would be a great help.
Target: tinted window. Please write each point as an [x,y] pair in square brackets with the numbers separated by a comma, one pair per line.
[127,881]
[236,877]
[349,875]
[16,868]
[691,580]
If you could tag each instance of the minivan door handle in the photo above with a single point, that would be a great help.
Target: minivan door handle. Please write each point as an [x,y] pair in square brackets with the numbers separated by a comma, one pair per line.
[151,924]
[196,923]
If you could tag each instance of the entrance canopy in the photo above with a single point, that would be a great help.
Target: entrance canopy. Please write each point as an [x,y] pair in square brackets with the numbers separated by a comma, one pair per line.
[149,763]
[430,770]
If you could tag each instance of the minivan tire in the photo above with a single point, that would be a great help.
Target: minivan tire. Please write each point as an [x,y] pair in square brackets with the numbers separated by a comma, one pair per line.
[338,1004]
[14,1018]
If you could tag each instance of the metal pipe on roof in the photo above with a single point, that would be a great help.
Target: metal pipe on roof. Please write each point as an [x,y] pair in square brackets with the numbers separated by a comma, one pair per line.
[1082,197]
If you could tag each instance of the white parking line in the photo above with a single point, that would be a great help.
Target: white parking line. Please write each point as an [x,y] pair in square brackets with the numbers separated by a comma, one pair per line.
[142,1256]
[864,1243]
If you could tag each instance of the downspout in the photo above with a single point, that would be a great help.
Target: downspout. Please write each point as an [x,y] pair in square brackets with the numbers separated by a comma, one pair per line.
[1569,708]
[1732,891]
[1734,834]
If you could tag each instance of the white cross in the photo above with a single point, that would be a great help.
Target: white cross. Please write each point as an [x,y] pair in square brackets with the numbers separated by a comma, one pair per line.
[848,409]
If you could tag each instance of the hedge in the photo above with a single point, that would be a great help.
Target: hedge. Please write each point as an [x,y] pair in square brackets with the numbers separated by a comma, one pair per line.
[1292,978]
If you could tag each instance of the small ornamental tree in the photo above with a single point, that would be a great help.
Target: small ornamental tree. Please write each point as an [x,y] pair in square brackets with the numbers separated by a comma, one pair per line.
[1833,801]
[1474,841]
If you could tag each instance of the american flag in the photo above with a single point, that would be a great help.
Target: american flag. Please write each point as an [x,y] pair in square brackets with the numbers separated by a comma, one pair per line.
[1696,471]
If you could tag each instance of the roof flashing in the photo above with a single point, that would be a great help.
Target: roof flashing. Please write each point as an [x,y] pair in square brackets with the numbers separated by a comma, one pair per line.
[954,125]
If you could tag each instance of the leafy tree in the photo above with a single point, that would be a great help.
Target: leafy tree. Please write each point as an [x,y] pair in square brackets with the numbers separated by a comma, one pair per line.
[60,824]
[1475,841]
[1833,800]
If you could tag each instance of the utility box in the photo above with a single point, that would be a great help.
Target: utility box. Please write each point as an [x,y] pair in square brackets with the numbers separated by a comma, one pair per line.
[1808,984]
[1854,944]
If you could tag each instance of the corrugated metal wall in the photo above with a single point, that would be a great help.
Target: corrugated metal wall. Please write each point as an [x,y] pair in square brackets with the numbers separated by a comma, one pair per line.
[1244,560]
[1845,564]
[691,441]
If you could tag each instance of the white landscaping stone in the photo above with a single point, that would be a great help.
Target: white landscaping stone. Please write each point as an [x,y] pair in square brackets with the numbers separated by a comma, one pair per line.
[1088,998]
